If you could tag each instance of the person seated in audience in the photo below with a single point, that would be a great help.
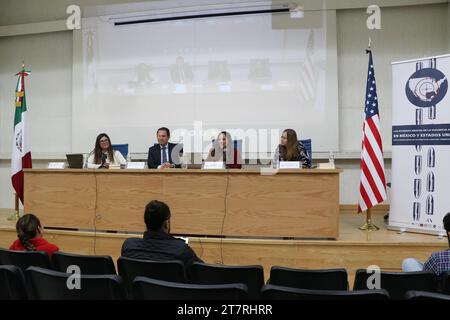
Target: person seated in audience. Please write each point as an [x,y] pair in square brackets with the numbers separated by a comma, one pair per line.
[103,155]
[30,236]
[164,154]
[157,243]
[291,149]
[224,150]
[438,262]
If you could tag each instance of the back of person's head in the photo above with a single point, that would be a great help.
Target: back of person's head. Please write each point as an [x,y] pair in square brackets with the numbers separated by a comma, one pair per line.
[27,228]
[446,222]
[155,216]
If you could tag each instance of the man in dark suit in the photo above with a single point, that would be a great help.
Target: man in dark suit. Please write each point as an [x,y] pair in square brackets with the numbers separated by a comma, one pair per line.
[164,154]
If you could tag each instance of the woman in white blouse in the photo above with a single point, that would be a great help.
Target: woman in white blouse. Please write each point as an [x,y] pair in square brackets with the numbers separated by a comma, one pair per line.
[103,155]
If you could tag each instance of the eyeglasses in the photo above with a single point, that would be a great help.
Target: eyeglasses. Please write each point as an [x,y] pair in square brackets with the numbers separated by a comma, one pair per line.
[105,140]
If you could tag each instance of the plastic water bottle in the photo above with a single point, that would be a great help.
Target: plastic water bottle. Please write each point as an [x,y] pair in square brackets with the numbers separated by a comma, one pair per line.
[331,159]
[85,160]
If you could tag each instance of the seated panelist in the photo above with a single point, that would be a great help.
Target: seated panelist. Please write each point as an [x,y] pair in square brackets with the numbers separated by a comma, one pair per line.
[103,155]
[164,154]
[223,150]
[290,149]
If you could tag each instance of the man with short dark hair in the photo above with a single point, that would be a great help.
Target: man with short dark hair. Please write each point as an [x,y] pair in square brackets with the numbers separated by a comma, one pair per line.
[164,154]
[157,243]
[439,262]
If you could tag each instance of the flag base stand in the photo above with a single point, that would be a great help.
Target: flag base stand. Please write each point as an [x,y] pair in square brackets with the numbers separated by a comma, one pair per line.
[369,225]
[16,215]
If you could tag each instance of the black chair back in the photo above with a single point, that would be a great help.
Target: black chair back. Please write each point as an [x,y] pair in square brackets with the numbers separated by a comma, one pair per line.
[273,292]
[53,285]
[172,270]
[251,276]
[87,264]
[326,279]
[25,259]
[445,282]
[398,283]
[151,289]
[12,283]
[423,295]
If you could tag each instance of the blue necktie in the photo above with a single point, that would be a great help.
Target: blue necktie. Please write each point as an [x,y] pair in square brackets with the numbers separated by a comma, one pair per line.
[164,155]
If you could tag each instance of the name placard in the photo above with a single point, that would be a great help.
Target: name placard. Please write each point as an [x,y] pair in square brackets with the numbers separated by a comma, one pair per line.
[326,165]
[56,165]
[213,165]
[290,165]
[136,165]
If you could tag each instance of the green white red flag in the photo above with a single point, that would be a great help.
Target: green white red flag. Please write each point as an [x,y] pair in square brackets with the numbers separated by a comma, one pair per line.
[21,151]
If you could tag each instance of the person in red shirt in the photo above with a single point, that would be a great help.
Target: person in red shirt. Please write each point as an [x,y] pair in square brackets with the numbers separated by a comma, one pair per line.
[30,234]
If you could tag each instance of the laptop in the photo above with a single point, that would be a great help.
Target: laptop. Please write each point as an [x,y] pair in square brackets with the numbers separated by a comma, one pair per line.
[75,160]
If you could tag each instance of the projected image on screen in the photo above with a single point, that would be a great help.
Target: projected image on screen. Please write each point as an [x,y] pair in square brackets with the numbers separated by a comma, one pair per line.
[229,72]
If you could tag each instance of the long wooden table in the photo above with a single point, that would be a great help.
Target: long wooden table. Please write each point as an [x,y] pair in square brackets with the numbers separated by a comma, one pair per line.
[302,203]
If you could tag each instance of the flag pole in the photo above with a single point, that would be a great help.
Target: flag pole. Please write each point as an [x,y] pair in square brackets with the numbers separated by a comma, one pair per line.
[16,215]
[369,225]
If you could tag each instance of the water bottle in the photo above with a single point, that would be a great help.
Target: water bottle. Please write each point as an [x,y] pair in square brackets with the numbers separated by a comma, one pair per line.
[85,160]
[331,159]
[128,161]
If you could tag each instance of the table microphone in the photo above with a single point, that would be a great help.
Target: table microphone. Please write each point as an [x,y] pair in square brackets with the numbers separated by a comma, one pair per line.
[104,156]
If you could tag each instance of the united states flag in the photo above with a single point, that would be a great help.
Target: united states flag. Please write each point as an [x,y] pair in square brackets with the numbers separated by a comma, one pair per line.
[372,185]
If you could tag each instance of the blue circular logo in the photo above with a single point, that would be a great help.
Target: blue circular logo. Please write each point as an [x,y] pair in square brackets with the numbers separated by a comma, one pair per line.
[426,87]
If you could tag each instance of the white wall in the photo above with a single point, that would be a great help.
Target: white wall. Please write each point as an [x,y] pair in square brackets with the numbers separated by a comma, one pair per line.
[48,88]
[408,32]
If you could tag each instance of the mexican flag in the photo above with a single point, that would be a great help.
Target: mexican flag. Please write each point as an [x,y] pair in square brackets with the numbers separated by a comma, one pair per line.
[21,152]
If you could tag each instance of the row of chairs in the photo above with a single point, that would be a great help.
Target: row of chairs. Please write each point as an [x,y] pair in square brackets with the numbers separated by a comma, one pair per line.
[397,284]
[44,284]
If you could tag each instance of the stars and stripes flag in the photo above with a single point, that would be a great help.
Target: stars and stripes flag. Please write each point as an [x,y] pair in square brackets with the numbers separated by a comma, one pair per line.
[21,152]
[372,185]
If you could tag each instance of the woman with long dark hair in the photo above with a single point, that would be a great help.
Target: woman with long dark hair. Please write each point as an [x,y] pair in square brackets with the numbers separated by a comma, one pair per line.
[103,155]
[291,149]
[30,236]
[224,150]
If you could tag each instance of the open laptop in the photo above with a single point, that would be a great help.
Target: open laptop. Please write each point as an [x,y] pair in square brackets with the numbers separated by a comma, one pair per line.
[75,160]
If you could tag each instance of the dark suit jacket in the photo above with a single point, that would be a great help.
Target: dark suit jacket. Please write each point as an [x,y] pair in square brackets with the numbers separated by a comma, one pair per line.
[154,156]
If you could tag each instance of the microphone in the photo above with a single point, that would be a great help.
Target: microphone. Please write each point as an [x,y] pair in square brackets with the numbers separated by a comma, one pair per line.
[103,161]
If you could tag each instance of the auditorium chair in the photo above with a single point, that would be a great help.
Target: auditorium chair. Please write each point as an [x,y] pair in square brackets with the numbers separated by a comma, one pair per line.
[87,264]
[273,292]
[151,289]
[252,276]
[424,295]
[53,285]
[325,279]
[445,282]
[398,283]
[12,283]
[129,269]
[25,259]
